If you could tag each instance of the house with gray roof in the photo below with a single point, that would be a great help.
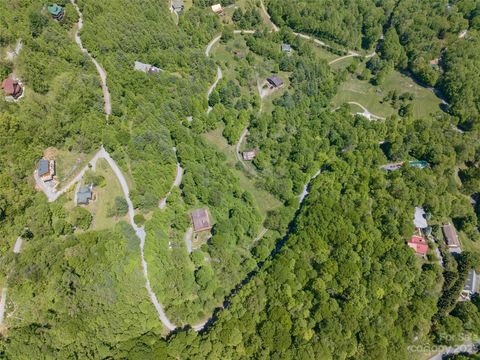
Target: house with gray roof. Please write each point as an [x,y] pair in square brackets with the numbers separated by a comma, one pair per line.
[275,81]
[84,195]
[286,48]
[46,169]
[177,6]
[471,286]
[146,68]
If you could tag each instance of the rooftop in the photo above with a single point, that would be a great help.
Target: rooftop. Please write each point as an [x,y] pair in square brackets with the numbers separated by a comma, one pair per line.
[286,47]
[84,195]
[43,167]
[217,8]
[419,244]
[450,235]
[201,220]
[54,9]
[275,80]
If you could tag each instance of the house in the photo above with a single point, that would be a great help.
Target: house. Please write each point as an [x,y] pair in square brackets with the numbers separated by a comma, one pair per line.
[46,169]
[217,9]
[419,244]
[177,6]
[12,87]
[249,155]
[286,48]
[146,68]
[420,220]
[201,220]
[84,195]
[450,235]
[56,11]
[470,286]
[275,81]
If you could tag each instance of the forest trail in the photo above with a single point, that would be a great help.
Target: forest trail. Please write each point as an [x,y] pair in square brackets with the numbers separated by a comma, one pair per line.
[100,70]
[274,27]
[214,85]
[139,231]
[3,301]
[210,44]
[365,112]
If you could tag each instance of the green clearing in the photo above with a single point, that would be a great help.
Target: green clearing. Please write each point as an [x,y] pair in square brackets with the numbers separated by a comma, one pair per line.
[425,102]
[265,200]
[67,163]
[104,197]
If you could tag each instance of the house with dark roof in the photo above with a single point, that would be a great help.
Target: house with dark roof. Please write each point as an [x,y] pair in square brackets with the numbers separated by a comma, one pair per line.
[84,195]
[275,81]
[46,169]
[177,6]
[451,237]
[286,48]
[470,286]
[419,244]
[12,87]
[56,11]
[201,220]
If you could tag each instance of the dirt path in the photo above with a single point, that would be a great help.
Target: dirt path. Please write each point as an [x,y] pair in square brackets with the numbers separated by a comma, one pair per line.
[214,85]
[176,183]
[3,301]
[100,70]
[210,44]
[365,112]
[274,27]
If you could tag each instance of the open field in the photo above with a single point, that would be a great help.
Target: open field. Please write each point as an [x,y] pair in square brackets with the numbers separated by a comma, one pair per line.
[265,200]
[425,102]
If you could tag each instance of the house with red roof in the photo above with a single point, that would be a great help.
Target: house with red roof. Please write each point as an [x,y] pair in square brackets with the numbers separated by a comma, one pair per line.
[419,244]
[12,88]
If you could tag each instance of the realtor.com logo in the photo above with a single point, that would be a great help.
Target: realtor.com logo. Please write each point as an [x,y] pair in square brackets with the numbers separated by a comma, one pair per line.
[467,344]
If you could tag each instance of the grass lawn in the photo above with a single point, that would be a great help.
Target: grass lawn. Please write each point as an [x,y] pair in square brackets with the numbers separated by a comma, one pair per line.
[67,164]
[425,101]
[265,200]
[105,195]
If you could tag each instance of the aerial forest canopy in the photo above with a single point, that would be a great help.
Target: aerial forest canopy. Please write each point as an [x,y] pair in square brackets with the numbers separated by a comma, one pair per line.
[308,139]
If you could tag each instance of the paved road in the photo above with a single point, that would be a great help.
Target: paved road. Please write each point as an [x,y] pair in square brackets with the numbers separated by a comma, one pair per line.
[305,191]
[100,70]
[467,347]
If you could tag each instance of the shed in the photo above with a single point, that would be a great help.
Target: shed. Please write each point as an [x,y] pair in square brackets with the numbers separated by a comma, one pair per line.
[12,87]
[84,195]
[275,81]
[419,244]
[177,5]
[217,9]
[201,220]
[450,235]
[286,48]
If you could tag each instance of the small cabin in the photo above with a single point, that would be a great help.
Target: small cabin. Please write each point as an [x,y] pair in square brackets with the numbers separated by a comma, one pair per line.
[217,9]
[274,81]
[84,195]
[201,220]
[249,155]
[178,6]
[12,87]
[46,169]
[56,11]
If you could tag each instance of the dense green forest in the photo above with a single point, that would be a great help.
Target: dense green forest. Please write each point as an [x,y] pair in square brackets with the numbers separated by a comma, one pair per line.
[333,278]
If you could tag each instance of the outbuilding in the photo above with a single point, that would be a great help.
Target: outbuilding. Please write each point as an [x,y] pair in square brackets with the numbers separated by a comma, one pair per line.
[84,195]
[217,9]
[450,235]
[249,155]
[56,11]
[286,48]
